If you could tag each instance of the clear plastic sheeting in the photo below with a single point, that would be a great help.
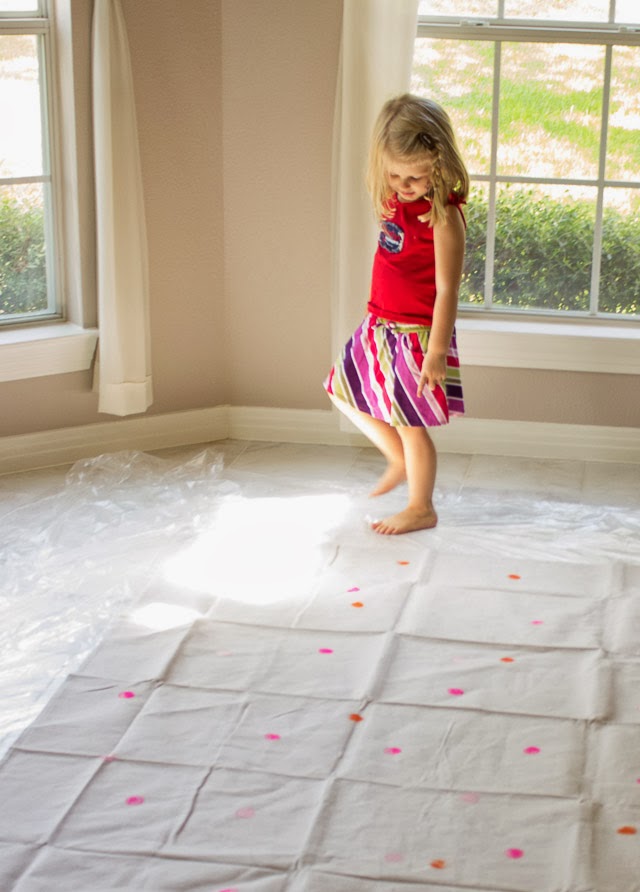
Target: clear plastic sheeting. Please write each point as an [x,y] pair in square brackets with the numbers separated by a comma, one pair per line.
[72,561]
[273,698]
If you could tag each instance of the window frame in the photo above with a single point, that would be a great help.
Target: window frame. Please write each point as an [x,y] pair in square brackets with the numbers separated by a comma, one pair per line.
[529,338]
[39,347]
[502,30]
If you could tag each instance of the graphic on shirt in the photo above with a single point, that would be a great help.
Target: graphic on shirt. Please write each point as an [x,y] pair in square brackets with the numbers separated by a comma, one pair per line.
[391,237]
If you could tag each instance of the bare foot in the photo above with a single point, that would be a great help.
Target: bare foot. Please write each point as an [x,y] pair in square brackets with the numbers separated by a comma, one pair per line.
[393,475]
[407,521]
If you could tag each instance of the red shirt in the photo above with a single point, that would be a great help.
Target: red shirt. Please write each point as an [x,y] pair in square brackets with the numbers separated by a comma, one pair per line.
[403,282]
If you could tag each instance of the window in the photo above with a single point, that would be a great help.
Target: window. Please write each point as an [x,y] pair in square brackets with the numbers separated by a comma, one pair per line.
[544,97]
[27,269]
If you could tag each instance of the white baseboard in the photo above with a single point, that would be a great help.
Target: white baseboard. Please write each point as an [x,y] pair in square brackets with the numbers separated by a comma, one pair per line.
[464,435]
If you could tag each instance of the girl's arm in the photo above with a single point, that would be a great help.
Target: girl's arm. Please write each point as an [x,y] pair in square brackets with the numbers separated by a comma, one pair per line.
[448,241]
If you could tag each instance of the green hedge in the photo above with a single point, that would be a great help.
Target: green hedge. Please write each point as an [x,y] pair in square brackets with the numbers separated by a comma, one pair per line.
[23,278]
[543,254]
[542,257]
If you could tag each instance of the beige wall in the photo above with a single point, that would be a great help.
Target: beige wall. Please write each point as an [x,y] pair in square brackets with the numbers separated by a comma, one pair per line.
[235,107]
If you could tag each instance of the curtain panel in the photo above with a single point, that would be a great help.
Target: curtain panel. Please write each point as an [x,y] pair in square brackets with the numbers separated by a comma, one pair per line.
[123,368]
[375,64]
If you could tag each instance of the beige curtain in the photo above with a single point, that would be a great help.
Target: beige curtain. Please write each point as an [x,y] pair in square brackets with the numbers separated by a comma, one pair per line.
[123,370]
[375,64]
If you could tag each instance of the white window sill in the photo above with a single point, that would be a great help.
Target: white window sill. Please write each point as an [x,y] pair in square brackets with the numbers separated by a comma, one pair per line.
[564,346]
[45,350]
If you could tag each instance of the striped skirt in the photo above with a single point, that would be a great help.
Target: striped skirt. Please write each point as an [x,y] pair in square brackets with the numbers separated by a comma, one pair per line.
[378,372]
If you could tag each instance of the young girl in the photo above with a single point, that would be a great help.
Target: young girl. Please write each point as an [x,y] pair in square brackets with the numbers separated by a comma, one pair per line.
[399,372]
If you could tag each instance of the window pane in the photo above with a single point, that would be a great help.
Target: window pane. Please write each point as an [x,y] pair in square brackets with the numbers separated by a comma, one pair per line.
[559,10]
[472,286]
[459,75]
[23,280]
[464,8]
[620,269]
[623,143]
[19,6]
[21,131]
[550,110]
[544,245]
[628,12]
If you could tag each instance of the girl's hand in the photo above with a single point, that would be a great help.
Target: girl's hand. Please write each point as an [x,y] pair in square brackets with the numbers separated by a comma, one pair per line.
[433,372]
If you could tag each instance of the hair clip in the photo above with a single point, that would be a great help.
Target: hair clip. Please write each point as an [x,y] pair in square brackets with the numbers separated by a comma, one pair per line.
[427,141]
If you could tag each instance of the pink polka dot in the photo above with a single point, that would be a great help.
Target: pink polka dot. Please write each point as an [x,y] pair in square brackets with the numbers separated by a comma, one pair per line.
[537,622]
[272,737]
[456,692]
[514,853]
[531,750]
[325,650]
[108,758]
[245,812]
[354,588]
[229,890]
[392,750]
[135,800]
[126,695]
[394,857]
[470,798]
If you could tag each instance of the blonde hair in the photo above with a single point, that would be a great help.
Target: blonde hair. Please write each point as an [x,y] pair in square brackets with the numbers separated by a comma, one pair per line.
[416,130]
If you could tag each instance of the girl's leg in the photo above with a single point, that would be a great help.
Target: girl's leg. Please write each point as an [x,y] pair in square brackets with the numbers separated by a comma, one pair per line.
[386,438]
[420,461]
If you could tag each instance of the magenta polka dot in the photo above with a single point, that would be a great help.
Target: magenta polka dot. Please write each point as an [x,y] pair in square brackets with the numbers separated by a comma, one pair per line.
[354,588]
[135,800]
[394,857]
[537,622]
[456,692]
[514,853]
[247,812]
[126,695]
[325,650]
[392,750]
[532,750]
[272,737]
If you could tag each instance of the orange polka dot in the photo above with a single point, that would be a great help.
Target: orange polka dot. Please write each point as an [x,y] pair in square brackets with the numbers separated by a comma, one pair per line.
[357,604]
[403,563]
[355,717]
[627,831]
[507,660]
[514,576]
[439,864]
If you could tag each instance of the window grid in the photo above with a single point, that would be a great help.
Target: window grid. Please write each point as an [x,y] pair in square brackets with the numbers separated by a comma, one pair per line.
[502,30]
[36,23]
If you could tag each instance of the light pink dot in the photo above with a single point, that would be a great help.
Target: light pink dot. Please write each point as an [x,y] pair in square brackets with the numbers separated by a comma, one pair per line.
[135,800]
[325,650]
[126,695]
[272,737]
[108,758]
[537,622]
[471,798]
[532,750]
[394,857]
[353,588]
[456,692]
[392,750]
[229,890]
[514,853]
[245,813]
